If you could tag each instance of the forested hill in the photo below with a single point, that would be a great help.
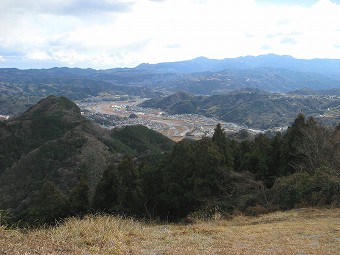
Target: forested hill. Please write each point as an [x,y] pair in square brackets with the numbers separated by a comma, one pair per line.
[53,148]
[253,108]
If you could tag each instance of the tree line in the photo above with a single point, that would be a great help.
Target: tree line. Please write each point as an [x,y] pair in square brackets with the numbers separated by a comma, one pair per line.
[298,168]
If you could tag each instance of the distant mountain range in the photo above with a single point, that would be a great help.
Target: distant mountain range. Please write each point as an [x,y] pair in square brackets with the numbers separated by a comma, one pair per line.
[265,78]
[271,73]
[202,64]
[200,76]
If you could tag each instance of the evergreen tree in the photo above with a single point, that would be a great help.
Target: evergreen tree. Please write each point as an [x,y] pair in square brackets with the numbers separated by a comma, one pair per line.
[207,175]
[224,146]
[177,198]
[261,159]
[242,155]
[129,191]
[335,143]
[120,190]
[151,186]
[48,206]
[104,195]
[79,199]
[278,163]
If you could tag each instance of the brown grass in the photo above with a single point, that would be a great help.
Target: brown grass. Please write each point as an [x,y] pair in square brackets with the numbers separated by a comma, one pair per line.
[298,232]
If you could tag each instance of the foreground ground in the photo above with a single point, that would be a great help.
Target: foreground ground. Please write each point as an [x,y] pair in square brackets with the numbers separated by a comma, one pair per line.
[299,232]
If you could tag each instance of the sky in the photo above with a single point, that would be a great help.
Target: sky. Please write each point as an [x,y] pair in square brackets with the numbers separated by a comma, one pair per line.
[105,34]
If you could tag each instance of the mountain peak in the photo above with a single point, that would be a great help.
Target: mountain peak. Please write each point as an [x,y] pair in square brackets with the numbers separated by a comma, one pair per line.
[201,58]
[54,105]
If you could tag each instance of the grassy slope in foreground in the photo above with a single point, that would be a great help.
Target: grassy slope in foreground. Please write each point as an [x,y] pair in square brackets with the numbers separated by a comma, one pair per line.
[303,231]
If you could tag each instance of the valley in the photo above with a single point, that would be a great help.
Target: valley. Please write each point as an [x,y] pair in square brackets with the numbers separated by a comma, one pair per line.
[251,108]
[174,126]
[182,115]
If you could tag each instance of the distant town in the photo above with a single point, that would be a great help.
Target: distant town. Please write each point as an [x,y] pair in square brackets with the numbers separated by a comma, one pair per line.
[125,110]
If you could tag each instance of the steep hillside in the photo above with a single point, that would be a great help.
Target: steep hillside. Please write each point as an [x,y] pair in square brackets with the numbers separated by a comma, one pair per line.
[52,146]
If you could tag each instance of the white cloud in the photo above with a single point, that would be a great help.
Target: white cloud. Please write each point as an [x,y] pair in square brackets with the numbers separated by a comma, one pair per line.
[65,7]
[38,55]
[110,33]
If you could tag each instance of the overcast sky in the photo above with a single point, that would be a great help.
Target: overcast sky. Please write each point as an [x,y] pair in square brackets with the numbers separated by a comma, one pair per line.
[104,34]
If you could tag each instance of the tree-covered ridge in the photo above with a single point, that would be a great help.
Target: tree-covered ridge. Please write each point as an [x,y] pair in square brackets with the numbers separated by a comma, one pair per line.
[141,139]
[52,146]
[252,108]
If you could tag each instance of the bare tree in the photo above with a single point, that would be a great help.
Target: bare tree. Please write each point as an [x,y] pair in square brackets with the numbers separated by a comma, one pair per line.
[316,149]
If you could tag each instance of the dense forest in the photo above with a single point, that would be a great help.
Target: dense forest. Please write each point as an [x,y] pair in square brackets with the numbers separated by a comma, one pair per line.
[296,169]
[56,164]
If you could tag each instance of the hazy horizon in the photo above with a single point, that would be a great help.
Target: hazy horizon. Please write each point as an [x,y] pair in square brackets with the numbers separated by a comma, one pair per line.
[127,67]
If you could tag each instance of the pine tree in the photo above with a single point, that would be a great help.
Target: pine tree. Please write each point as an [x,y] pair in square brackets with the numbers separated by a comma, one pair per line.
[224,147]
[206,177]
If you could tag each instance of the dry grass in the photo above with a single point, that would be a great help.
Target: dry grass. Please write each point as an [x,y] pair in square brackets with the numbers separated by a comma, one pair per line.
[299,232]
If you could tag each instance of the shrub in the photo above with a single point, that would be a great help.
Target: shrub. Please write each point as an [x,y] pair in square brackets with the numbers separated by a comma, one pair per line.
[304,189]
